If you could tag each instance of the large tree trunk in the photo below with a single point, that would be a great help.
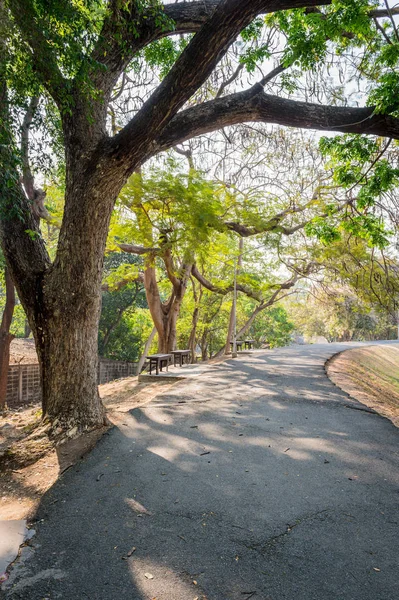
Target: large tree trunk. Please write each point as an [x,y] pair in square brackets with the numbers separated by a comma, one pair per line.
[62,302]
[6,337]
[67,318]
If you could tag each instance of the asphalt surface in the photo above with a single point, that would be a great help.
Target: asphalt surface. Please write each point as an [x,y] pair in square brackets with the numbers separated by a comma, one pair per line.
[260,479]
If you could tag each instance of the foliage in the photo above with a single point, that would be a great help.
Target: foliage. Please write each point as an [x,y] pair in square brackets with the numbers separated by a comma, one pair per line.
[339,316]
[119,335]
[272,326]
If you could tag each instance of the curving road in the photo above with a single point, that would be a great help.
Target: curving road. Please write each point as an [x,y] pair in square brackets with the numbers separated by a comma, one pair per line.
[260,479]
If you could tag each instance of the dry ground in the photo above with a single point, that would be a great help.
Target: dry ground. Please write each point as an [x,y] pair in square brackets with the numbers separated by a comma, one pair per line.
[23,351]
[29,461]
[371,376]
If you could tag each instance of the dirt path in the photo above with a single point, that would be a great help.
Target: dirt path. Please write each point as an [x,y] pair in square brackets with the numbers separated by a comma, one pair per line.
[29,462]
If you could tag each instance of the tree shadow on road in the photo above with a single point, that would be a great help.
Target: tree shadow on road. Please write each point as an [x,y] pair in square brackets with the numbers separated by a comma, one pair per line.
[231,485]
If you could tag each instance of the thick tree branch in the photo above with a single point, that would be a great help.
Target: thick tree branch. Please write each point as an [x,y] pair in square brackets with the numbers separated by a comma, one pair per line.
[117,46]
[171,270]
[188,74]
[133,249]
[254,105]
[223,290]
[20,238]
[382,13]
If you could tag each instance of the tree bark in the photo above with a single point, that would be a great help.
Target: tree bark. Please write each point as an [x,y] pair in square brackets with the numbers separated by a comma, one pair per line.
[66,320]
[6,337]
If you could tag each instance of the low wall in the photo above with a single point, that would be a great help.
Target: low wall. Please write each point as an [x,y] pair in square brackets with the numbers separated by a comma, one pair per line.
[23,383]
[108,370]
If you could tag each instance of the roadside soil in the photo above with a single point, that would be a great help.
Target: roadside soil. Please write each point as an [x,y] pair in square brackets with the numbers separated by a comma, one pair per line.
[30,463]
[371,376]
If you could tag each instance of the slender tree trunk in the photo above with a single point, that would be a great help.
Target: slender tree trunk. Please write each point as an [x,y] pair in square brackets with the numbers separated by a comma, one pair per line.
[6,337]
[192,342]
[146,350]
[27,329]
[233,311]
[227,349]
[250,320]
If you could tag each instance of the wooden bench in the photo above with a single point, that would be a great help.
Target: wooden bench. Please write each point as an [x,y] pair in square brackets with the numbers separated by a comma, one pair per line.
[158,360]
[180,355]
[248,344]
[239,344]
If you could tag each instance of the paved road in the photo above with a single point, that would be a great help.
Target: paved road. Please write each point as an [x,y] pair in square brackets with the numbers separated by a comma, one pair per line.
[263,484]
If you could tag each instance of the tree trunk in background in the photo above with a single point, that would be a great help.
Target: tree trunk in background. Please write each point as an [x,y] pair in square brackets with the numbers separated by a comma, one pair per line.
[165,314]
[251,319]
[168,334]
[146,350]
[192,342]
[27,329]
[227,349]
[6,337]
[192,345]
[230,331]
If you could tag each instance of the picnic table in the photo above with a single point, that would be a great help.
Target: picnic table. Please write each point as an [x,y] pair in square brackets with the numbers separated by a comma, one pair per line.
[180,355]
[239,344]
[158,360]
[249,344]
